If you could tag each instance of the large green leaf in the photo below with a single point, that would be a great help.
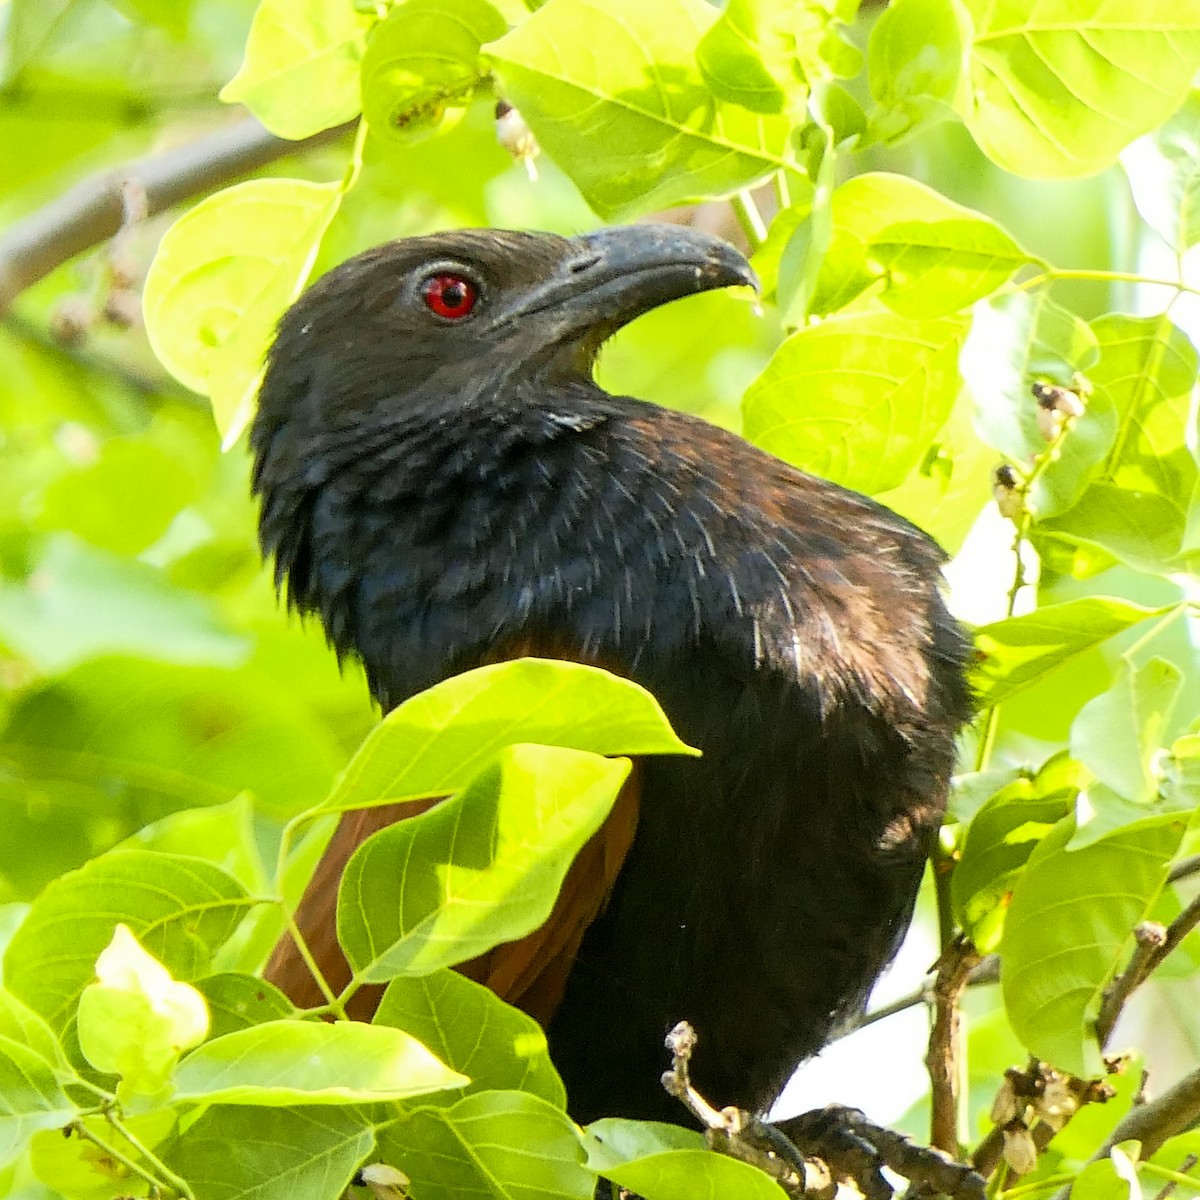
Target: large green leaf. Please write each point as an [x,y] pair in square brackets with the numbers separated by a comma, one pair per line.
[436,742]
[181,909]
[300,73]
[1164,175]
[423,63]
[925,255]
[1070,928]
[1060,86]
[481,868]
[31,1097]
[236,1152]
[858,398]
[664,1162]
[288,1062]
[635,127]
[1137,507]
[999,841]
[222,277]
[1014,653]
[472,1030]
[1119,733]
[916,60]
[238,1001]
[502,1144]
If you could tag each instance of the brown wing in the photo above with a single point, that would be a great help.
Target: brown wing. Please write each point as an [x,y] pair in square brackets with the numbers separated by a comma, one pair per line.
[530,973]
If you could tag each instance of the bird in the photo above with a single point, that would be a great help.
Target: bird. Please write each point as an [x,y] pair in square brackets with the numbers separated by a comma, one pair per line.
[444,485]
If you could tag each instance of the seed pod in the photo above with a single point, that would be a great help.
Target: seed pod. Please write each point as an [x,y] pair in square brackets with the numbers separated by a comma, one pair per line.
[1020,1152]
[1050,423]
[122,309]
[516,137]
[385,1182]
[1006,491]
[1006,1107]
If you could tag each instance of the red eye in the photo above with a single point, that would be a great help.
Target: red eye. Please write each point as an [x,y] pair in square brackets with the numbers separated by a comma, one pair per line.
[449,296]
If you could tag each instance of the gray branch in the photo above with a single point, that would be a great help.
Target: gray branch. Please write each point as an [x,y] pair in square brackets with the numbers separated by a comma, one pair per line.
[91,211]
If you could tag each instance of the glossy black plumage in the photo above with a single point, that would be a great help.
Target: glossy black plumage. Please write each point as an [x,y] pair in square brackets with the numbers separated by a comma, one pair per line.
[444,494]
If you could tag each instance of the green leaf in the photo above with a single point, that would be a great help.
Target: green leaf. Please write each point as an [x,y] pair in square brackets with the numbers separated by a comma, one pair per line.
[1118,733]
[300,73]
[858,398]
[1018,651]
[239,1001]
[471,1029]
[612,1141]
[80,602]
[1015,340]
[1164,175]
[293,1154]
[182,909]
[222,277]
[158,737]
[1112,1177]
[928,256]
[664,1162]
[78,1169]
[135,1020]
[745,58]
[436,742]
[282,1063]
[916,63]
[481,868]
[20,1024]
[423,64]
[635,127]
[502,1144]
[31,1097]
[694,1175]
[999,842]
[1060,86]
[951,485]
[1070,928]
[125,499]
[1137,508]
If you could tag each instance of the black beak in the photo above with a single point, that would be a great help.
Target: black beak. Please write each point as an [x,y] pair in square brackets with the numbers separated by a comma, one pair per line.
[611,276]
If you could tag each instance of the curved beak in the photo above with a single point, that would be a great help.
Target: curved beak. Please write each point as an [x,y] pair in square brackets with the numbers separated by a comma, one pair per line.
[608,278]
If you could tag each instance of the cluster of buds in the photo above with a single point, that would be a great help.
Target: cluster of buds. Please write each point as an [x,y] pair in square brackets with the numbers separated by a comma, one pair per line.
[1059,406]
[516,137]
[120,306]
[1040,1096]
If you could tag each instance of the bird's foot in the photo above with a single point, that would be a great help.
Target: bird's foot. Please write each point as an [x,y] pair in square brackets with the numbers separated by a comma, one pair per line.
[857,1150]
[809,1154]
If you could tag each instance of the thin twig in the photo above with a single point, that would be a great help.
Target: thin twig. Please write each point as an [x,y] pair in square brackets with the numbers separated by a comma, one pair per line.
[1153,945]
[944,1054]
[92,211]
[1185,868]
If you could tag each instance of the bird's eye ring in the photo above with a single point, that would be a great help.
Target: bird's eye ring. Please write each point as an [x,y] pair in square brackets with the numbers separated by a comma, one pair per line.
[449,296]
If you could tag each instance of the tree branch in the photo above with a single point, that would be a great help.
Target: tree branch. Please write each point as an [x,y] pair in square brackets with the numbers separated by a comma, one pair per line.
[1152,1124]
[944,1056]
[92,210]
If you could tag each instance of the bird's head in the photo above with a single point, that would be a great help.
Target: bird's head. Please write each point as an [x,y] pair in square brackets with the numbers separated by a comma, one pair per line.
[427,351]
[430,321]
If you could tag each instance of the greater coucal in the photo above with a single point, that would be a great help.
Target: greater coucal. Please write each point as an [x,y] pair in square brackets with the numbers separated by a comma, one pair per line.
[444,485]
